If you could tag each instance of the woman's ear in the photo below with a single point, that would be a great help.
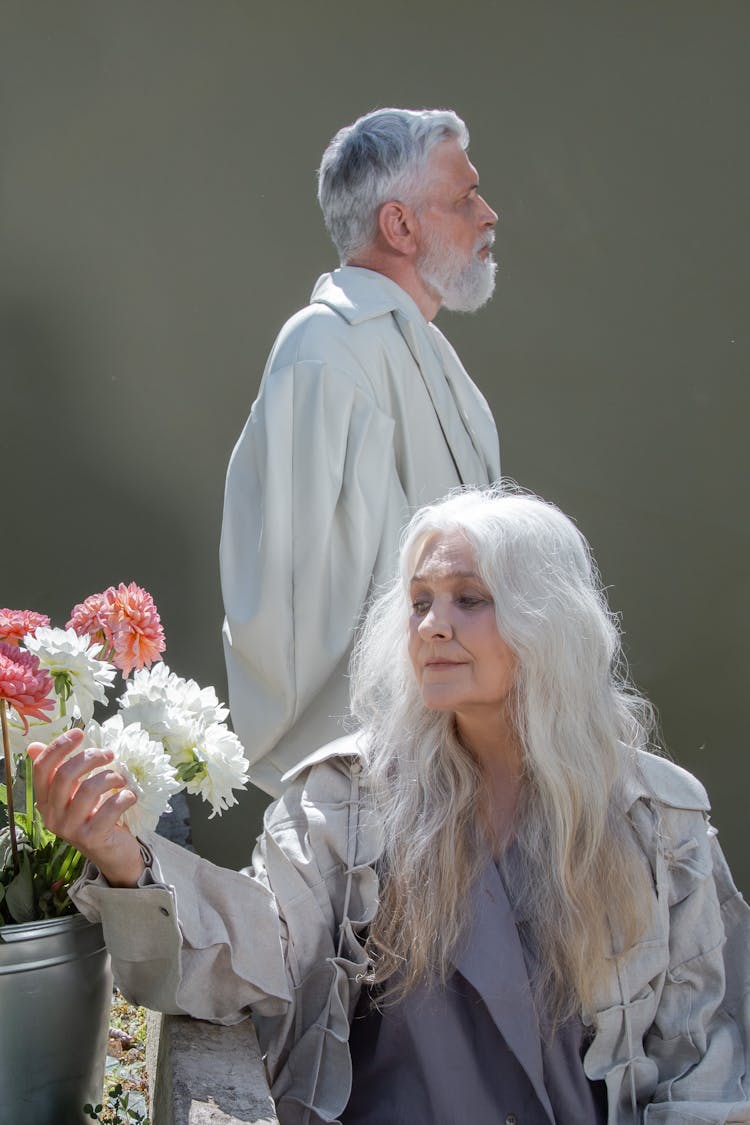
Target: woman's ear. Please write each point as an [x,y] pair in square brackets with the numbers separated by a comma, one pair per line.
[397,225]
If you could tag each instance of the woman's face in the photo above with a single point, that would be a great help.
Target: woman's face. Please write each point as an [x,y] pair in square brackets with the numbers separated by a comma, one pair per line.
[461,662]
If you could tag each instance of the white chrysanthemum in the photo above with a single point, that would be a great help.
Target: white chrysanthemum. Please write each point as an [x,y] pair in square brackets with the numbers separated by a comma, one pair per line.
[155,716]
[80,679]
[184,735]
[39,730]
[218,767]
[148,685]
[159,685]
[148,770]
[188,720]
[165,704]
[203,703]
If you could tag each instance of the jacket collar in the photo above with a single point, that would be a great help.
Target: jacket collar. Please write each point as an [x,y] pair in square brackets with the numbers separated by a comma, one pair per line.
[349,746]
[358,295]
[653,777]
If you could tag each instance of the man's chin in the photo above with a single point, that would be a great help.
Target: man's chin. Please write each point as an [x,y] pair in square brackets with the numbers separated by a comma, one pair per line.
[474,298]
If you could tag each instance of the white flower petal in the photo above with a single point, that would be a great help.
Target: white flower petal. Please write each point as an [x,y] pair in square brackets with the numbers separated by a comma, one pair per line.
[225,768]
[148,771]
[63,653]
[159,685]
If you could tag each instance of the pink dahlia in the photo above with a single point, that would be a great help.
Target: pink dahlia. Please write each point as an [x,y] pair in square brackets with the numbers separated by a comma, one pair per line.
[92,617]
[136,629]
[15,624]
[126,622]
[23,684]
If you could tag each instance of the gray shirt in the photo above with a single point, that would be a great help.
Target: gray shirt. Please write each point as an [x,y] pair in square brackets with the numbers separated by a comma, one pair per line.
[472,1050]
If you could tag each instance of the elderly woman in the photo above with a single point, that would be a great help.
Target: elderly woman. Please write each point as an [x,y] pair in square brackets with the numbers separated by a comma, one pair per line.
[493,904]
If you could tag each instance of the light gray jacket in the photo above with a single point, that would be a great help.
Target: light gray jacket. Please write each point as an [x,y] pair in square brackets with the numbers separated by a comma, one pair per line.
[365,413]
[670,1022]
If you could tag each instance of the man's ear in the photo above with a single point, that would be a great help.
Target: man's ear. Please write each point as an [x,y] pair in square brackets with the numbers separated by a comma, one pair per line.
[398,227]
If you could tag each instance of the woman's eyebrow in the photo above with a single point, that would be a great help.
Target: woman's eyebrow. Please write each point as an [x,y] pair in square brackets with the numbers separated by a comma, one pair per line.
[420,577]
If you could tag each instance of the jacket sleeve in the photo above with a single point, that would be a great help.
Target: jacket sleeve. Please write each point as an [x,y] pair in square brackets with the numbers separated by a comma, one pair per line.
[312,503]
[197,940]
[282,937]
[699,1038]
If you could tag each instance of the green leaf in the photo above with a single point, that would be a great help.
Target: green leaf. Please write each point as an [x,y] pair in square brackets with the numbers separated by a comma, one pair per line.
[40,834]
[63,687]
[187,771]
[19,896]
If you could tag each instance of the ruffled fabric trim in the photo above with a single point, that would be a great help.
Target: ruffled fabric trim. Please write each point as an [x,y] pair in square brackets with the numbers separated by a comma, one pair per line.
[314,1082]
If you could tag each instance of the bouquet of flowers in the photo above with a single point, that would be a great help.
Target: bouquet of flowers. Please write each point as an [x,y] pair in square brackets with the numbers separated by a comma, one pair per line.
[168,734]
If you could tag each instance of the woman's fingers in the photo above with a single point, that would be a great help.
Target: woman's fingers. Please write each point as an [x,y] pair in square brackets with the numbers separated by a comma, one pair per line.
[59,746]
[75,798]
[47,759]
[69,785]
[99,828]
[68,777]
[81,799]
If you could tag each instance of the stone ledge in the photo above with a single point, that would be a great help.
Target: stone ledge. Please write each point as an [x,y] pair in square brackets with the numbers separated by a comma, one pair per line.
[206,1074]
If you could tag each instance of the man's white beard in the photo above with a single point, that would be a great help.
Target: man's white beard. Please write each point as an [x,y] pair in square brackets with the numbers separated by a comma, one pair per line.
[461,286]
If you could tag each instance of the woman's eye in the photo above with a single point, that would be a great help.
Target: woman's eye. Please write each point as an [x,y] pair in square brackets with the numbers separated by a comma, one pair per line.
[420,607]
[468,601]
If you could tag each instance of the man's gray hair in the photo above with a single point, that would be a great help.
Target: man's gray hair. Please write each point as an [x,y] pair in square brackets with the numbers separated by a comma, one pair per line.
[378,158]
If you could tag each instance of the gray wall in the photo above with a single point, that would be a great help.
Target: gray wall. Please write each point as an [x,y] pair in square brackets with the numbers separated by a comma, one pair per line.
[158,224]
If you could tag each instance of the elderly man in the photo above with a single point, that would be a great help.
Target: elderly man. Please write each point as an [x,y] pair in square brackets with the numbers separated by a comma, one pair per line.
[364,413]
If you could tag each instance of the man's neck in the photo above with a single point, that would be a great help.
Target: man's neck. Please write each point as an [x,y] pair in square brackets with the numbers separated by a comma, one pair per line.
[403,272]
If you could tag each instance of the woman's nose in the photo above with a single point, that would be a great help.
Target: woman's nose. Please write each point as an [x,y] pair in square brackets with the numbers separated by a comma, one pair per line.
[435,624]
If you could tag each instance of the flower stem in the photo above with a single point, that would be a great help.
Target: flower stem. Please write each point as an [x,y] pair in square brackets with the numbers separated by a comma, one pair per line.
[29,776]
[71,858]
[9,787]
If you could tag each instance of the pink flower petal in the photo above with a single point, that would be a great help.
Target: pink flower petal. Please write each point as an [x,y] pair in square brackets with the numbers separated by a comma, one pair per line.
[15,624]
[23,684]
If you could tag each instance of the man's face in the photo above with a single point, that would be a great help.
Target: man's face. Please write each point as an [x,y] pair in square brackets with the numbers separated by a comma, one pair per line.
[455,232]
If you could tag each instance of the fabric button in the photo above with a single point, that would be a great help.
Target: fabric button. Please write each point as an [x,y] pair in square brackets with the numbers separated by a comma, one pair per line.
[511,1119]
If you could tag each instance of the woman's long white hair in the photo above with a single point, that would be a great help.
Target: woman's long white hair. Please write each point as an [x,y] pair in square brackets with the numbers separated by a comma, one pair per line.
[578,722]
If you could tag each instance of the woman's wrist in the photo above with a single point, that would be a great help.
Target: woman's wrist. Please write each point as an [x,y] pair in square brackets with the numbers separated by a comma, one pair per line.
[123,866]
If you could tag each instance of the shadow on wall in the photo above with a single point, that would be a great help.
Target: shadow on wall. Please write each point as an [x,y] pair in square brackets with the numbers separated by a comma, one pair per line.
[77,517]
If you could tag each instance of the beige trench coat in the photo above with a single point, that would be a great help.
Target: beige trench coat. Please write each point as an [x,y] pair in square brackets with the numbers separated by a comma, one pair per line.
[671,1022]
[364,414]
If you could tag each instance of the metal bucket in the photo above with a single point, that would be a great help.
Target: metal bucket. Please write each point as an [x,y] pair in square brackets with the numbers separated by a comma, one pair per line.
[55,997]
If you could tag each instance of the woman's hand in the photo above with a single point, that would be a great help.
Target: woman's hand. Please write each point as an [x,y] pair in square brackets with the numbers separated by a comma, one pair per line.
[84,809]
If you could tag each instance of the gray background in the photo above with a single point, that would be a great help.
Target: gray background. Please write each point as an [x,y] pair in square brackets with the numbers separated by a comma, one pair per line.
[158,224]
